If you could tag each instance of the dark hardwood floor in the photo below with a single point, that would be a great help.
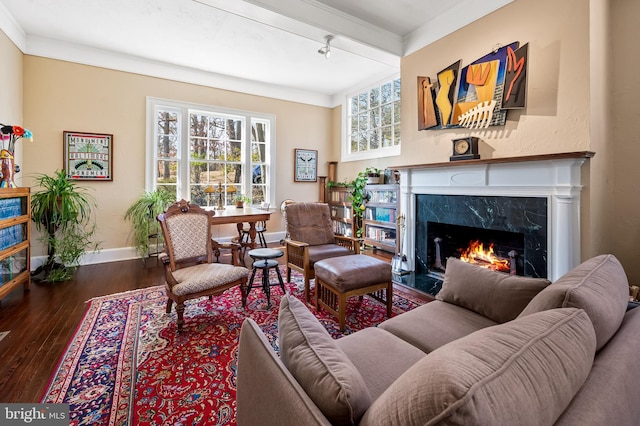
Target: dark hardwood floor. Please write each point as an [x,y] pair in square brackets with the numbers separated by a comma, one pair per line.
[42,321]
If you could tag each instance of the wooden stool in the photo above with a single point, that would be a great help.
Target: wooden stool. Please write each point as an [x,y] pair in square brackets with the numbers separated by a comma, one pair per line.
[339,278]
[263,259]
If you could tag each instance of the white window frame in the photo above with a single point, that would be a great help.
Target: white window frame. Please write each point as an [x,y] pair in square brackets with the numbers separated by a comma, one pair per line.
[184,109]
[346,154]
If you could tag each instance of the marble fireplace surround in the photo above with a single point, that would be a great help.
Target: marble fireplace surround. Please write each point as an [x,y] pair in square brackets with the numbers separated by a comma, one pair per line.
[556,177]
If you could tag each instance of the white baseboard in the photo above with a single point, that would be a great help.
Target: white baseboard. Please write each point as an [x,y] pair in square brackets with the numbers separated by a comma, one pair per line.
[128,253]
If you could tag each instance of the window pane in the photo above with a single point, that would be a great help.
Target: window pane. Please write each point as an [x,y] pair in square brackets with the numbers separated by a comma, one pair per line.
[386,115]
[198,172]
[396,89]
[354,141]
[167,146]
[396,134]
[386,93]
[374,140]
[216,149]
[362,141]
[197,148]
[257,195]
[198,125]
[259,132]
[167,123]
[217,128]
[234,129]
[235,151]
[396,112]
[375,117]
[375,97]
[363,123]
[258,152]
[353,105]
[354,124]
[167,172]
[386,136]
[198,196]
[362,102]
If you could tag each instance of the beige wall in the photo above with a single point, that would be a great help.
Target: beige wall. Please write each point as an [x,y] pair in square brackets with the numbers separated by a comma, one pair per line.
[66,96]
[11,105]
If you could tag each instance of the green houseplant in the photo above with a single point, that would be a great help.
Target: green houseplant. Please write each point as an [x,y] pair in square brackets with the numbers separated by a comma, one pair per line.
[358,198]
[62,211]
[142,214]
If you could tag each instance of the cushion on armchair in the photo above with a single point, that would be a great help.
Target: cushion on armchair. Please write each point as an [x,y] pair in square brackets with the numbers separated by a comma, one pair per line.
[524,372]
[310,223]
[319,365]
[598,285]
[495,295]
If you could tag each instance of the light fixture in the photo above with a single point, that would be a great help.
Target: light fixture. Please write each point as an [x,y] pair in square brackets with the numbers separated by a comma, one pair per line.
[326,50]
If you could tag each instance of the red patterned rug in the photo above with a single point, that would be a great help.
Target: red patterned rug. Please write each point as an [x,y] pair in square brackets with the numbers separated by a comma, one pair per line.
[126,365]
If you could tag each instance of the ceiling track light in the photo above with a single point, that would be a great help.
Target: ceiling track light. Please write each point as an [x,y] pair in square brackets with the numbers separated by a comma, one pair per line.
[326,50]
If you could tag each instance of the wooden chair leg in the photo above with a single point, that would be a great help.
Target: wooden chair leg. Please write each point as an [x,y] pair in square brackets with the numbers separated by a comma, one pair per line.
[307,289]
[389,298]
[180,312]
[169,304]
[342,310]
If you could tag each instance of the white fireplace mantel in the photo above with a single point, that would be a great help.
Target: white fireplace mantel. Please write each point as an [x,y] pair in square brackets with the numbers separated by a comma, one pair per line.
[556,177]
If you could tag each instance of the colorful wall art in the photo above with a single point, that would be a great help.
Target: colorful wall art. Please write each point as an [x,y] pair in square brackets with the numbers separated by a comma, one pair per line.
[476,96]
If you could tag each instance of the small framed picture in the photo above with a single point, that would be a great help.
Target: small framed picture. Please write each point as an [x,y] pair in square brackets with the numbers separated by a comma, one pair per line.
[306,165]
[88,156]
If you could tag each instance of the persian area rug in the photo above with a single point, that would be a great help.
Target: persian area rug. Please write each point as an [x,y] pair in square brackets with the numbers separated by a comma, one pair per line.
[126,365]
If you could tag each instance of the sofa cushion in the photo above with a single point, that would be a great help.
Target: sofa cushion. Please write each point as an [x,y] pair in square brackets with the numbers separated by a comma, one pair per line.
[435,324]
[523,372]
[379,356]
[495,295]
[599,286]
[319,365]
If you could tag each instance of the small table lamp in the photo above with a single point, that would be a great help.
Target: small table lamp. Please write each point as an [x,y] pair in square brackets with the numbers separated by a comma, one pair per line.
[209,190]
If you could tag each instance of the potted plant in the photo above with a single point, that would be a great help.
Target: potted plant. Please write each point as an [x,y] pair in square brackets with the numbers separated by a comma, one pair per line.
[240,199]
[358,198]
[62,211]
[373,175]
[142,214]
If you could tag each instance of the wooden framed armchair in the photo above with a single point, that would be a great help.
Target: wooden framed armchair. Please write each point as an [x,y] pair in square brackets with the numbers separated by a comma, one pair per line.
[310,238]
[188,258]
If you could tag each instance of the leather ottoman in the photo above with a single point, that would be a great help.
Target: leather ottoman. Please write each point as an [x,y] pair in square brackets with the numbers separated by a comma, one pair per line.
[339,278]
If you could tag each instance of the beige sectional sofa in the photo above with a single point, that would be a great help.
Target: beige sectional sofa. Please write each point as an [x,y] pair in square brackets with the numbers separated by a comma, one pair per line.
[493,349]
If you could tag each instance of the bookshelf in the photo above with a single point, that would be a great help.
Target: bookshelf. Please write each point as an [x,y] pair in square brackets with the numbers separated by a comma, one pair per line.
[380,228]
[341,211]
[15,215]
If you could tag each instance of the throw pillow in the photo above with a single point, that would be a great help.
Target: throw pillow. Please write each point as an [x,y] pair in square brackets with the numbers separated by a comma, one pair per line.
[599,286]
[524,372]
[495,295]
[319,365]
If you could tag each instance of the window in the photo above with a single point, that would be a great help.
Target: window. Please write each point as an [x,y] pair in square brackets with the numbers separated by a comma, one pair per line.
[194,146]
[373,122]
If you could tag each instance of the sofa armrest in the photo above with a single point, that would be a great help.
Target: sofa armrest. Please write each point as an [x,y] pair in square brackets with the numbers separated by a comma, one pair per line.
[267,393]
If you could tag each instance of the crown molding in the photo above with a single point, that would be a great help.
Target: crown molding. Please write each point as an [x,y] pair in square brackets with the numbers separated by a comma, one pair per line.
[55,49]
[10,27]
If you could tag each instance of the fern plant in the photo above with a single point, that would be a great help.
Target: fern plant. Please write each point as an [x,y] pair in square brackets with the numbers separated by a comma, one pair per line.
[142,215]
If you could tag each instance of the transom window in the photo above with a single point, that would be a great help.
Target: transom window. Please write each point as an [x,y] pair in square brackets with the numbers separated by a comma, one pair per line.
[373,122]
[196,147]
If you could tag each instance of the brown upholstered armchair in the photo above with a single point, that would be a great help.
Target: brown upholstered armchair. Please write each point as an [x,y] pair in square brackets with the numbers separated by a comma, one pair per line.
[310,238]
[188,258]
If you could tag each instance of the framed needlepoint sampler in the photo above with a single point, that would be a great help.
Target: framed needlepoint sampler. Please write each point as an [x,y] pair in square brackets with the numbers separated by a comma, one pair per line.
[88,156]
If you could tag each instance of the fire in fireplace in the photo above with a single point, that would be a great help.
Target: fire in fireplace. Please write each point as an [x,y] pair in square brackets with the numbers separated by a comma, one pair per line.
[476,253]
[489,248]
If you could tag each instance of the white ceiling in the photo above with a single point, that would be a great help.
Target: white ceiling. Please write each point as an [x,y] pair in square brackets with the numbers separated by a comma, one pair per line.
[265,47]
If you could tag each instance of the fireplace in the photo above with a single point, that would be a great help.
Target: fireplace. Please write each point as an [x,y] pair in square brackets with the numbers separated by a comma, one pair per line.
[526,208]
[514,228]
